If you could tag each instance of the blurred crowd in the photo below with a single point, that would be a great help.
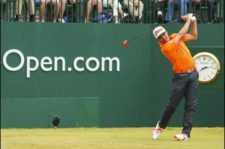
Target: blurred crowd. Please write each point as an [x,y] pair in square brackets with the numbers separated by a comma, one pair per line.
[110,11]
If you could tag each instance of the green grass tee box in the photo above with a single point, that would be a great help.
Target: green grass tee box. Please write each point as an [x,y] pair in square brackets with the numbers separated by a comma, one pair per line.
[109,138]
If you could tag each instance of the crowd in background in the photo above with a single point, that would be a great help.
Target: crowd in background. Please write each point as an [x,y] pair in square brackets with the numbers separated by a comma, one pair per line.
[110,11]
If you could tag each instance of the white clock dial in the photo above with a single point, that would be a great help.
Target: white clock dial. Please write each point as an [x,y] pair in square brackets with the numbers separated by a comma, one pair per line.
[207,66]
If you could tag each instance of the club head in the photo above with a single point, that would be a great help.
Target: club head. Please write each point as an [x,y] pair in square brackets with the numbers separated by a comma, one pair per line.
[125,43]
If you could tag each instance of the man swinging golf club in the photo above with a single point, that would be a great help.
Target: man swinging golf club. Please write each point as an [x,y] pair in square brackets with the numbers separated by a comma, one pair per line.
[185,78]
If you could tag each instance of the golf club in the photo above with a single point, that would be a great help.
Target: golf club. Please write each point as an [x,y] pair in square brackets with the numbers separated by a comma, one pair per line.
[125,42]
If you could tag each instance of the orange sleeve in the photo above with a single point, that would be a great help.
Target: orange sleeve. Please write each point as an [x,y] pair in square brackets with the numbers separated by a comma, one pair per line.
[185,38]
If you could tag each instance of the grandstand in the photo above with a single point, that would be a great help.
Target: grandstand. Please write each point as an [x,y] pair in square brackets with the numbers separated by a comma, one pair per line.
[155,11]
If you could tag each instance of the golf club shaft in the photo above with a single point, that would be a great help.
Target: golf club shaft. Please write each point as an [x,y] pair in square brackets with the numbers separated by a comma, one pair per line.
[171,22]
[143,33]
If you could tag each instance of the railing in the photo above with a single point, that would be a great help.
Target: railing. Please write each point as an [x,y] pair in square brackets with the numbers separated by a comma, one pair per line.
[110,11]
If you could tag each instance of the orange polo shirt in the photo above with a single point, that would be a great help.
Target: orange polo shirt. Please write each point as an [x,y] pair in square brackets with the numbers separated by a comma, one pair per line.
[178,54]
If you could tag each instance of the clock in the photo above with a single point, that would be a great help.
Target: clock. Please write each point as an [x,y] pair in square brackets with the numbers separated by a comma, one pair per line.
[208,67]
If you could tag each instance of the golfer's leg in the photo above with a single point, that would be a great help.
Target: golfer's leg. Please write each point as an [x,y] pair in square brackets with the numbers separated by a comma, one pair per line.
[190,103]
[178,88]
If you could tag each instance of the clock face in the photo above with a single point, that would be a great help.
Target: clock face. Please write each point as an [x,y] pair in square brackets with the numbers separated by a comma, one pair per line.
[207,66]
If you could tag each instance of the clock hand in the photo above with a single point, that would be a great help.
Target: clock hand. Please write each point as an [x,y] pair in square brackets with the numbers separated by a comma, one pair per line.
[203,68]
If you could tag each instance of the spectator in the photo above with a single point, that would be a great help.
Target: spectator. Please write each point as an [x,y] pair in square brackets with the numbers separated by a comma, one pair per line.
[183,7]
[56,9]
[117,9]
[212,11]
[135,8]
[196,1]
[211,6]
[62,10]
[19,5]
[90,4]
[2,12]
[159,7]
[72,10]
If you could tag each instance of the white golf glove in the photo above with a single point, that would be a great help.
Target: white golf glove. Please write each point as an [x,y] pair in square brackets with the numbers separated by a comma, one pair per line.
[190,15]
[193,18]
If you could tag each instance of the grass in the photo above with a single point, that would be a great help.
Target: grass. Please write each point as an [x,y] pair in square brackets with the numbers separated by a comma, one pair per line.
[108,138]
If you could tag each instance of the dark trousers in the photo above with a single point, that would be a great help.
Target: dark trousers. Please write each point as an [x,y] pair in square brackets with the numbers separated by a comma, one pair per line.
[183,85]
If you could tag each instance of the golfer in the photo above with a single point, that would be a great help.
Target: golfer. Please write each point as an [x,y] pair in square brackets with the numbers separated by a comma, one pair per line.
[185,78]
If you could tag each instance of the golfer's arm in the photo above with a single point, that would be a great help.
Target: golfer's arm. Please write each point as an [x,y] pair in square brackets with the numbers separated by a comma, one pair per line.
[193,35]
[194,30]
[183,31]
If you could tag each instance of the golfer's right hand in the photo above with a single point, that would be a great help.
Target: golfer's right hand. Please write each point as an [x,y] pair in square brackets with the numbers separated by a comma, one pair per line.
[185,17]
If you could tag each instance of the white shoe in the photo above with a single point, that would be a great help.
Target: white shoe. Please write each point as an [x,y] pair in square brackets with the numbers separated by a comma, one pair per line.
[156,132]
[140,17]
[61,20]
[159,13]
[125,14]
[86,20]
[181,137]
